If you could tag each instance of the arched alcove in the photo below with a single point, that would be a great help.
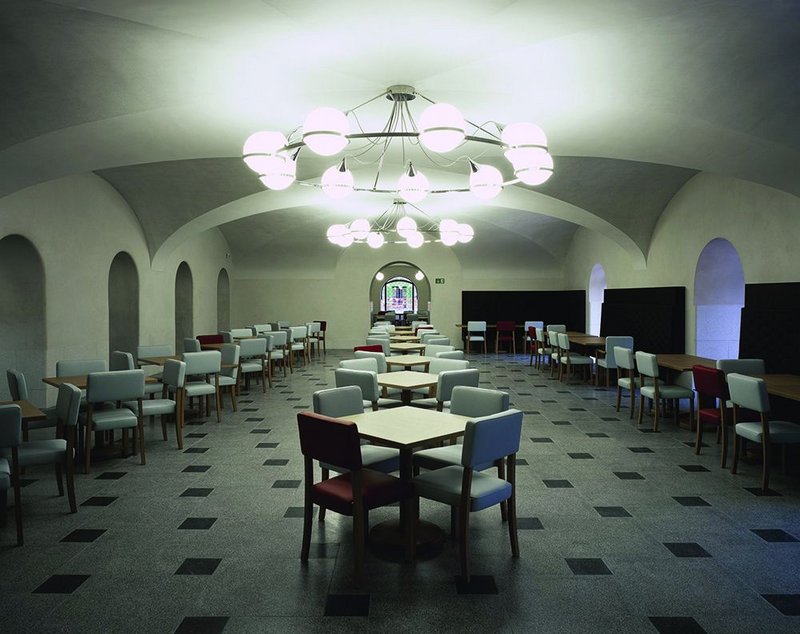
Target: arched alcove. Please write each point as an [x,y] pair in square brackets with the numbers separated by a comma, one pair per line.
[406,272]
[223,301]
[123,304]
[597,288]
[184,305]
[718,298]
[23,329]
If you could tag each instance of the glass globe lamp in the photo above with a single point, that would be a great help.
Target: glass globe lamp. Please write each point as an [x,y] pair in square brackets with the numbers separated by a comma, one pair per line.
[441,127]
[325,131]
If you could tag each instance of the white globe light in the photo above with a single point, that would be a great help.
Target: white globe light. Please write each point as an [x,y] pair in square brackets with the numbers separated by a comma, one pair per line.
[486,182]
[260,147]
[359,229]
[375,240]
[419,276]
[415,239]
[448,224]
[465,233]
[346,240]
[441,127]
[413,186]
[536,174]
[325,130]
[379,276]
[280,172]
[335,232]
[337,182]
[448,231]
[526,143]
[405,226]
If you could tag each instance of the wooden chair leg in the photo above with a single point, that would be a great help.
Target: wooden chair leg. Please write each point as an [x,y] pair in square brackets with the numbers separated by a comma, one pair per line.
[15,477]
[70,469]
[87,451]
[59,480]
[325,475]
[698,439]
[463,541]
[512,525]
[501,473]
[308,514]
[619,396]
[141,439]
[735,463]
[632,401]
[765,456]
[3,507]
[641,408]
[724,450]
[163,428]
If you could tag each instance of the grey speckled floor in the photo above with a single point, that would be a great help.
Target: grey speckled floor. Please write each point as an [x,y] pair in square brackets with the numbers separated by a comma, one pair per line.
[611,539]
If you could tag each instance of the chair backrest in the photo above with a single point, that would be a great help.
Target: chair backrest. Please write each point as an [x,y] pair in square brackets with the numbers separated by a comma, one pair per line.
[533,324]
[476,326]
[748,392]
[540,335]
[323,325]
[80,366]
[432,349]
[451,354]
[451,378]
[241,332]
[624,358]
[489,438]
[425,337]
[370,364]
[279,338]
[10,425]
[226,335]
[611,343]
[158,350]
[120,360]
[647,364]
[122,385]
[442,365]
[329,440]
[742,366]
[563,341]
[438,341]
[379,357]
[229,355]
[17,385]
[299,332]
[250,348]
[477,401]
[505,327]
[261,328]
[284,324]
[217,338]
[370,348]
[710,382]
[383,343]
[206,362]
[556,328]
[268,340]
[338,401]
[68,404]
[193,345]
[313,328]
[174,374]
[364,379]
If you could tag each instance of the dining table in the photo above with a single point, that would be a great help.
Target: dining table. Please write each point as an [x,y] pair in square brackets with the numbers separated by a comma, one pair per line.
[30,412]
[80,380]
[404,338]
[783,385]
[408,361]
[407,429]
[683,362]
[408,380]
[406,347]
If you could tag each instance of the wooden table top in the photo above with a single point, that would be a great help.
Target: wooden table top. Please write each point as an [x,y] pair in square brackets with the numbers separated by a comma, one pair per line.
[80,380]
[407,379]
[784,385]
[159,360]
[683,362]
[211,346]
[406,427]
[406,347]
[29,411]
[407,360]
[403,338]
[587,340]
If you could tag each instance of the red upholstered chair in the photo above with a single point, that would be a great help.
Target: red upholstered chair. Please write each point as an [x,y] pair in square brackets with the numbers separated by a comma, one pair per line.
[371,348]
[712,391]
[354,493]
[204,339]
[505,334]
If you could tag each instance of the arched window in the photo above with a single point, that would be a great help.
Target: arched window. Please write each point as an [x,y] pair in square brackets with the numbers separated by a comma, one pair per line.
[400,295]
[597,289]
[123,304]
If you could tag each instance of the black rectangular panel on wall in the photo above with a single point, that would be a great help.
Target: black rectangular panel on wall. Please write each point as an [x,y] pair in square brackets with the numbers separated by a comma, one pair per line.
[654,317]
[551,307]
[769,327]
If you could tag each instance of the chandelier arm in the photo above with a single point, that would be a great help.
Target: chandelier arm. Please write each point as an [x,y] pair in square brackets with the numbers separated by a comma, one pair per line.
[354,108]
[392,135]
[483,129]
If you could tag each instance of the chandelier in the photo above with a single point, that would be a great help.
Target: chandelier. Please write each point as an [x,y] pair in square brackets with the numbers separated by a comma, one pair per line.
[429,140]
[395,225]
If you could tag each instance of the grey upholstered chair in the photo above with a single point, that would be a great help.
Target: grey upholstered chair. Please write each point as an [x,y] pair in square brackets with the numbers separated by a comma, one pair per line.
[253,360]
[609,362]
[476,331]
[568,358]
[432,349]
[171,401]
[202,372]
[79,367]
[367,381]
[124,361]
[447,381]
[18,388]
[452,354]
[230,368]
[626,364]
[190,344]
[651,387]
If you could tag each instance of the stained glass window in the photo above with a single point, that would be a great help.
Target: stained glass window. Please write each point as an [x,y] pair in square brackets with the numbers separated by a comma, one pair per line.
[399,295]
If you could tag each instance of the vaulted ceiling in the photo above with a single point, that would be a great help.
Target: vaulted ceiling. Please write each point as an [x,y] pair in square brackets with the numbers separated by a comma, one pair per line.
[636,96]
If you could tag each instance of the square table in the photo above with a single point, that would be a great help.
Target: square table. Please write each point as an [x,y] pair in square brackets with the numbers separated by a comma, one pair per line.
[407,380]
[404,339]
[407,361]
[29,411]
[80,380]
[406,347]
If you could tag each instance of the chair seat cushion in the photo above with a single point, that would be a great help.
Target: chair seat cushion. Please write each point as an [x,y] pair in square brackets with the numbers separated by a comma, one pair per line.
[5,467]
[152,407]
[575,359]
[227,381]
[153,388]
[379,489]
[375,457]
[779,431]
[252,366]
[444,485]
[37,452]
[199,388]
[440,457]
[625,382]
[603,363]
[112,419]
[476,338]
[387,402]
[667,391]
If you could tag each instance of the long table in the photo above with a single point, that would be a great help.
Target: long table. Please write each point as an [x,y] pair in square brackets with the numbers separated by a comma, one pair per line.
[783,385]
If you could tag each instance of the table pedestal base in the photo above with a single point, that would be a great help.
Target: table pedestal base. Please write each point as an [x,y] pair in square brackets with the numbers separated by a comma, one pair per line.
[387,540]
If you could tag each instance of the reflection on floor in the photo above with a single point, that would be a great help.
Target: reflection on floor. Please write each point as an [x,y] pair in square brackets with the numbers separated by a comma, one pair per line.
[620,531]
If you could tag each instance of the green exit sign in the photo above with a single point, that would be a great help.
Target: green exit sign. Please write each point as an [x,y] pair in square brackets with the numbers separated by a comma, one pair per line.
[439,280]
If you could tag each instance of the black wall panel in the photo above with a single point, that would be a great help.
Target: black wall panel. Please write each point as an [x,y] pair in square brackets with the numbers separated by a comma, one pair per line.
[552,307]
[654,317]
[769,328]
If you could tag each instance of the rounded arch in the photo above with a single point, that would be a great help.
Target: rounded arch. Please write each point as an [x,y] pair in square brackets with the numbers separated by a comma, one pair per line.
[223,300]
[718,299]
[597,289]
[184,305]
[123,304]
[23,337]
[403,270]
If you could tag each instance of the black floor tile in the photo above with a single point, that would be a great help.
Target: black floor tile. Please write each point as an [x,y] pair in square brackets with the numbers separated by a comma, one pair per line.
[196,493]
[294,511]
[694,468]
[628,475]
[198,566]
[254,419]
[541,439]
[609,418]
[249,409]
[111,475]
[197,468]
[588,566]
[581,456]
[532,412]
[61,584]
[676,625]
[196,450]
[276,462]
[197,523]
[686,549]
[774,535]
[640,449]
[286,484]
[558,484]
[478,584]
[787,604]
[691,443]
[84,535]
[561,422]
[577,409]
[99,501]
[323,551]
[596,434]
[529,524]
[347,605]
[196,434]
[260,431]
[521,462]
[549,401]
[769,493]
[691,500]
[612,511]
[266,445]
[648,430]
[202,625]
